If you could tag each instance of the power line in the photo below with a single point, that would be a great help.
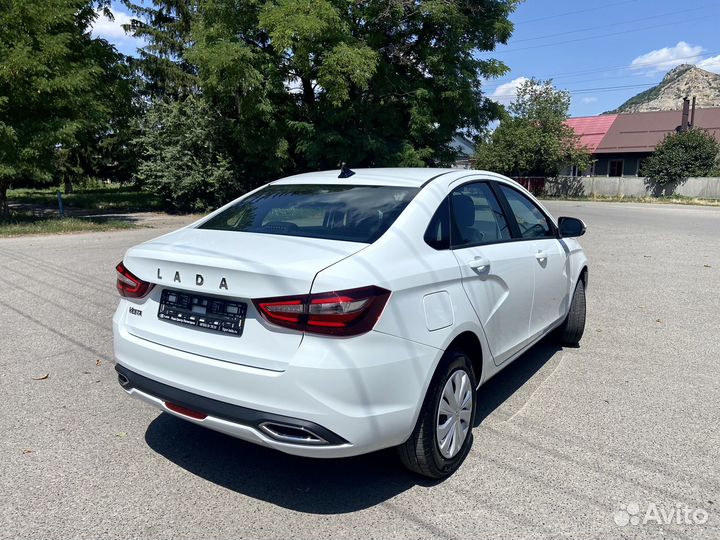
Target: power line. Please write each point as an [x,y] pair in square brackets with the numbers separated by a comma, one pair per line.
[630,66]
[576,91]
[602,36]
[573,74]
[630,21]
[557,15]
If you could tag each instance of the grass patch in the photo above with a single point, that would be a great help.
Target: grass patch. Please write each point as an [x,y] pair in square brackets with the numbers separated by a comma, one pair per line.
[675,199]
[23,223]
[106,198]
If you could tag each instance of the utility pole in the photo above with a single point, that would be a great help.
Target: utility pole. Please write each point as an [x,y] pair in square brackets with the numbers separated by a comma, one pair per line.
[685,114]
[692,114]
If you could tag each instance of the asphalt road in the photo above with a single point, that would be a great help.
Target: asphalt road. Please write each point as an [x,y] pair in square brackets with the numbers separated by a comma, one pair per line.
[565,437]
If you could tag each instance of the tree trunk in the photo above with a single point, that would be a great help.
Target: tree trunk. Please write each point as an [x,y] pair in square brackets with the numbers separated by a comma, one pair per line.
[68,184]
[308,93]
[4,209]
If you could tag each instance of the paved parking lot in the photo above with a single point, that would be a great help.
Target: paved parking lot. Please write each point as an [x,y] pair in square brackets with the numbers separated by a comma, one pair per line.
[568,442]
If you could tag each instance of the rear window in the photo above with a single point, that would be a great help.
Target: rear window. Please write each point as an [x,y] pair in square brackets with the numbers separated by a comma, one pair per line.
[333,212]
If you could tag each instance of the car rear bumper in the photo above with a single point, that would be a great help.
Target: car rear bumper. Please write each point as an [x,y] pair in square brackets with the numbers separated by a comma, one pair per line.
[355,395]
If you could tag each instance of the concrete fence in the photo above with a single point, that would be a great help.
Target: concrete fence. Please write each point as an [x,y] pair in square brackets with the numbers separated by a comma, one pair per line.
[630,186]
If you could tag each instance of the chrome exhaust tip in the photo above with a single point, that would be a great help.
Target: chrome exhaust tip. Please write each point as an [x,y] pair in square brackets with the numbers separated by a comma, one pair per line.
[123,380]
[291,434]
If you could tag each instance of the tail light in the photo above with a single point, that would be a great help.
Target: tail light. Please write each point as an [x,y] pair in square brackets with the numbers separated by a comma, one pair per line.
[338,313]
[129,285]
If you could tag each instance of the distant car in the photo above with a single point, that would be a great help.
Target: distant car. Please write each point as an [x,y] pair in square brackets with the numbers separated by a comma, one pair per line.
[336,313]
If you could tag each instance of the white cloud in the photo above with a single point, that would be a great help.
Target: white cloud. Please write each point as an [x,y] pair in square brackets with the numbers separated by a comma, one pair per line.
[589,99]
[111,30]
[506,93]
[710,64]
[664,59]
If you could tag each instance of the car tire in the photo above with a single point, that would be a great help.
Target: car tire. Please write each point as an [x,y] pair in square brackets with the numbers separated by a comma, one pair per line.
[422,452]
[571,331]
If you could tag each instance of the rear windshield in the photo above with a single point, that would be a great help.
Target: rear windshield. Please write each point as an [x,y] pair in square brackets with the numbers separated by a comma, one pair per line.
[333,212]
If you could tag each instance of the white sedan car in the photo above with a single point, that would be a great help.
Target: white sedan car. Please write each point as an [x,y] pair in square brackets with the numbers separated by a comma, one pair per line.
[336,313]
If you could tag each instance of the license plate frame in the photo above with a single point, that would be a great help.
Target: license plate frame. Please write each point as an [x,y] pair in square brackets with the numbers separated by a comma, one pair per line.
[217,315]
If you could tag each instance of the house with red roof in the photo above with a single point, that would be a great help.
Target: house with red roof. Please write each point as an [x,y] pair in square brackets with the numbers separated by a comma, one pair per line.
[620,142]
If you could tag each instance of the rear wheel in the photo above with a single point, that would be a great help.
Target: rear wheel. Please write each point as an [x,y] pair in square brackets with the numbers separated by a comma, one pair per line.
[443,434]
[571,331]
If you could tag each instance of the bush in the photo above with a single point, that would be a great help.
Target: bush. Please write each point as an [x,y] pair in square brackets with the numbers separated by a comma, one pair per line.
[181,157]
[680,156]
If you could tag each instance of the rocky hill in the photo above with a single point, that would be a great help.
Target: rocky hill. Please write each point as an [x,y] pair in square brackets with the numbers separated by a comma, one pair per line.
[683,81]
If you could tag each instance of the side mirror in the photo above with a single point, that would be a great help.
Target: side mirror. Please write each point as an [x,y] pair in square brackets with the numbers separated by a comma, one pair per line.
[571,227]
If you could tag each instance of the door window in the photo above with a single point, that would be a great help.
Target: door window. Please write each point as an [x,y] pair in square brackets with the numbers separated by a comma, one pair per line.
[616,167]
[476,216]
[531,221]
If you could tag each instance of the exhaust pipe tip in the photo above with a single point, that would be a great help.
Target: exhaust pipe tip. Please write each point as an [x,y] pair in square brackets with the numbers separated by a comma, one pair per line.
[291,434]
[123,380]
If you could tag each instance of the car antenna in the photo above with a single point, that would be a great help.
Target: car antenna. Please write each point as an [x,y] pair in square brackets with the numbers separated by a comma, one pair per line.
[345,171]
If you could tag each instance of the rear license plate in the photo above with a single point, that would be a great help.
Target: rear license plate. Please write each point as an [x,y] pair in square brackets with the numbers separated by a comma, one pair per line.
[212,314]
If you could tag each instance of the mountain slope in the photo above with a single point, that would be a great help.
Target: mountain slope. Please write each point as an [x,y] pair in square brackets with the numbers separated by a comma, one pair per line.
[680,82]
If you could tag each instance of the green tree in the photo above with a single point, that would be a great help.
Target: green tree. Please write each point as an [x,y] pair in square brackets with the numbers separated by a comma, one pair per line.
[165,27]
[307,84]
[680,156]
[53,89]
[182,158]
[532,138]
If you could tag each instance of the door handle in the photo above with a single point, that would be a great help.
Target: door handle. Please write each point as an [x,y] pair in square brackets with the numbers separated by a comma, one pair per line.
[480,264]
[540,255]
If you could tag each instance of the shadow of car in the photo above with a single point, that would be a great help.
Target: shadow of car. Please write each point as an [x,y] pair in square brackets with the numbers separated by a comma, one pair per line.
[317,486]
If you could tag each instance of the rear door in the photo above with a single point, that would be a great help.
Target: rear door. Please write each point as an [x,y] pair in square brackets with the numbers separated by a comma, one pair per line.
[497,272]
[550,260]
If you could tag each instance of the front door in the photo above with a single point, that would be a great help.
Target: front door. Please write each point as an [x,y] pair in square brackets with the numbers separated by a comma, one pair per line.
[550,261]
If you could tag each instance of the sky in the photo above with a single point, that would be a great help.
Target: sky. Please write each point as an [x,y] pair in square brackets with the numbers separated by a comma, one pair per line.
[601,51]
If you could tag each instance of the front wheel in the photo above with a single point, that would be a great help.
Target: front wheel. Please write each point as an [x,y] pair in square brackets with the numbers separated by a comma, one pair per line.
[443,434]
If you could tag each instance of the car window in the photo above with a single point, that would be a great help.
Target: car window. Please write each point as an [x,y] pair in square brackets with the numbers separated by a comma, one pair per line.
[476,216]
[350,213]
[531,221]
[437,234]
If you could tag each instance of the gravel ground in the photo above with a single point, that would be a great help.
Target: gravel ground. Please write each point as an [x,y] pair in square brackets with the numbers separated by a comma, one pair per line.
[571,443]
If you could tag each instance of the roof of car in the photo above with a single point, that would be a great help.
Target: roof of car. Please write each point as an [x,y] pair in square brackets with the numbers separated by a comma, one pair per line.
[405,177]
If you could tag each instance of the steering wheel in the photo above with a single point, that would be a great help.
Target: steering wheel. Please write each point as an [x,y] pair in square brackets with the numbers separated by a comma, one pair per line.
[536,229]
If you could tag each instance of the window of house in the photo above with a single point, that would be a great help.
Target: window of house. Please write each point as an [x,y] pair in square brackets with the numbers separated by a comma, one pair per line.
[616,167]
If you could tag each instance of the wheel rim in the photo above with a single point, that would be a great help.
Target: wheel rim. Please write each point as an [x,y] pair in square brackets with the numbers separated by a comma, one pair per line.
[454,413]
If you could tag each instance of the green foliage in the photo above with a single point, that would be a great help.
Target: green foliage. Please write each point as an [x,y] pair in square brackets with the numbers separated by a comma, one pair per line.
[252,89]
[181,158]
[94,196]
[533,139]
[682,155]
[23,223]
[57,91]
[308,84]
[165,26]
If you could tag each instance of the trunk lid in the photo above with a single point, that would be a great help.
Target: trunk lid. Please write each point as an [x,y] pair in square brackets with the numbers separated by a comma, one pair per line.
[230,266]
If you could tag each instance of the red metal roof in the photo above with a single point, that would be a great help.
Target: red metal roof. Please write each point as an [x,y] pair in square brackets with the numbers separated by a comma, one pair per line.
[592,129]
[637,132]
[642,132]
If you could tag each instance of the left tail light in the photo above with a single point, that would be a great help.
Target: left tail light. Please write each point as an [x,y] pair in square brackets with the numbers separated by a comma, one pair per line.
[338,313]
[129,285]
